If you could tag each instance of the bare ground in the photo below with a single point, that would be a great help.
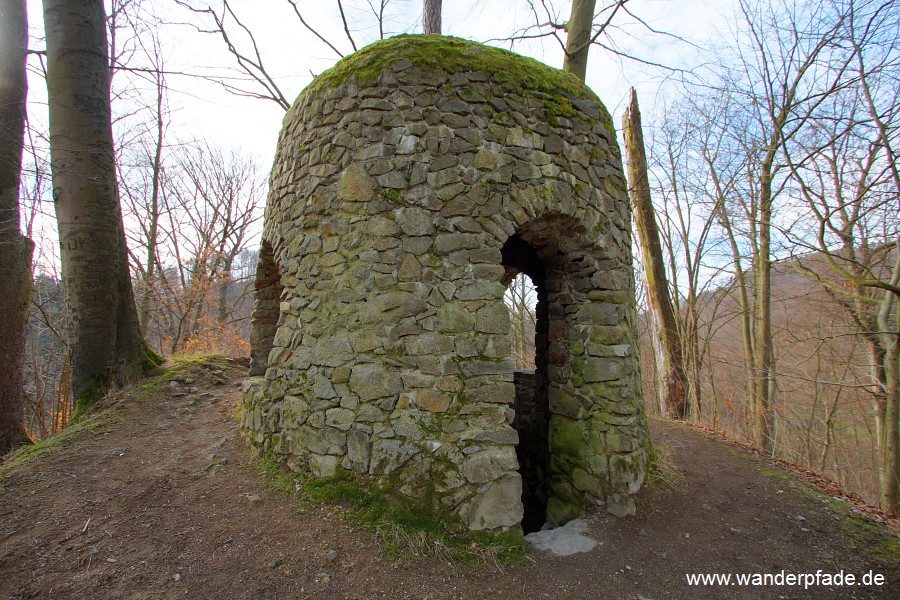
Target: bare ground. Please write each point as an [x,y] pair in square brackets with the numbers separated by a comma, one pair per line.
[161,499]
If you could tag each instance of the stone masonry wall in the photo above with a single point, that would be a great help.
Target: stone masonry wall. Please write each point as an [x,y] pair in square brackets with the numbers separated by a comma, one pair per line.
[395,204]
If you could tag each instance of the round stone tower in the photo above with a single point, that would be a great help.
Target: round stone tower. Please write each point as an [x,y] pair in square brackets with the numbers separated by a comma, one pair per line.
[412,181]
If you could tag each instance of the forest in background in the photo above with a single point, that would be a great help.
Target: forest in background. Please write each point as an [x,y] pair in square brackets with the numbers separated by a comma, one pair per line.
[773,173]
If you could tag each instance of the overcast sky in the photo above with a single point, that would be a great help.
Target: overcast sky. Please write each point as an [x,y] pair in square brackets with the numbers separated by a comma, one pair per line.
[292,54]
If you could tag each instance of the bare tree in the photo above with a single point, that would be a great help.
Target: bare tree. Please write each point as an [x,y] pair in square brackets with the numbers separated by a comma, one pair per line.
[48,394]
[521,299]
[15,249]
[249,61]
[844,166]
[588,26]
[581,35]
[107,347]
[777,81]
[791,159]
[207,210]
[255,77]
[140,167]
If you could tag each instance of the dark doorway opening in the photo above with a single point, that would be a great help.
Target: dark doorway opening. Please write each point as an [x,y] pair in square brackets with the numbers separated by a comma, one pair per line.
[532,413]
[266,309]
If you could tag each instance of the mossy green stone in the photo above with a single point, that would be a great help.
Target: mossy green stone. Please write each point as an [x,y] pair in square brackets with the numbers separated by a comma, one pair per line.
[554,88]
[559,512]
[567,437]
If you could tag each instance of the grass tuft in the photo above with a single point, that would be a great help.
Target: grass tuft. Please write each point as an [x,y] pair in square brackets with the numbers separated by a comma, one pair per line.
[662,472]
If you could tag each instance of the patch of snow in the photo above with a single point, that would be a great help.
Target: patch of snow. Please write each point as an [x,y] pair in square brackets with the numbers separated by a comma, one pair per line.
[564,541]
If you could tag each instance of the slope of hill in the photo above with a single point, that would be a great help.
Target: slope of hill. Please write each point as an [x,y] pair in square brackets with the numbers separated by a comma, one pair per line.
[159,498]
[822,412]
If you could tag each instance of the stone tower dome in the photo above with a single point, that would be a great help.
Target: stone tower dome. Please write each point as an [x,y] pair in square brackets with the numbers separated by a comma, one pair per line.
[412,181]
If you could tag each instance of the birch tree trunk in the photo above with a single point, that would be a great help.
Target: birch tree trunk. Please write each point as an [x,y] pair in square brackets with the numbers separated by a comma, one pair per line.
[106,343]
[668,352]
[15,249]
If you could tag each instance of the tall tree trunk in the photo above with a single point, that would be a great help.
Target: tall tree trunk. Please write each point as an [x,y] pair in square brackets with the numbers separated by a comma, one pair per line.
[889,424]
[578,40]
[746,310]
[224,284]
[15,249]
[106,343]
[431,16]
[762,366]
[154,209]
[669,358]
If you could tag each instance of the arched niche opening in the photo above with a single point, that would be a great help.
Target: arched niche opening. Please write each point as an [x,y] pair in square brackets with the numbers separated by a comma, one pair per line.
[266,309]
[532,413]
[550,251]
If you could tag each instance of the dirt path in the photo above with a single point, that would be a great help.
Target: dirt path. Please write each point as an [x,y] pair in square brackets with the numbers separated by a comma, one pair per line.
[164,502]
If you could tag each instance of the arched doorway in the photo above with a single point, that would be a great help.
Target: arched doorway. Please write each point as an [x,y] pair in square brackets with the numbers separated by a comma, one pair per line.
[532,418]
[550,250]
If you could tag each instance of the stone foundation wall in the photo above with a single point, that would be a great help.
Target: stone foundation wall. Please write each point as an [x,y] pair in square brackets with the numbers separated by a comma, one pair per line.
[397,202]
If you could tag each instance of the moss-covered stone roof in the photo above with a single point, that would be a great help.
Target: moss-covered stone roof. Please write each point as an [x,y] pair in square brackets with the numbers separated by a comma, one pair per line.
[451,54]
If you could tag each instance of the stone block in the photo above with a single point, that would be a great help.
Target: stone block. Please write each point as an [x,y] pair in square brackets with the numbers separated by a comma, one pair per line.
[497,505]
[560,512]
[493,318]
[496,346]
[454,317]
[371,382]
[501,392]
[480,467]
[600,314]
[429,343]
[415,221]
[323,466]
[358,451]
[339,418]
[355,184]
[407,426]
[587,483]
[433,401]
[568,438]
[563,403]
[446,243]
[334,351]
[398,304]
[480,290]
[621,506]
[294,412]
[327,441]
[503,436]
[627,471]
[389,455]
[603,369]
